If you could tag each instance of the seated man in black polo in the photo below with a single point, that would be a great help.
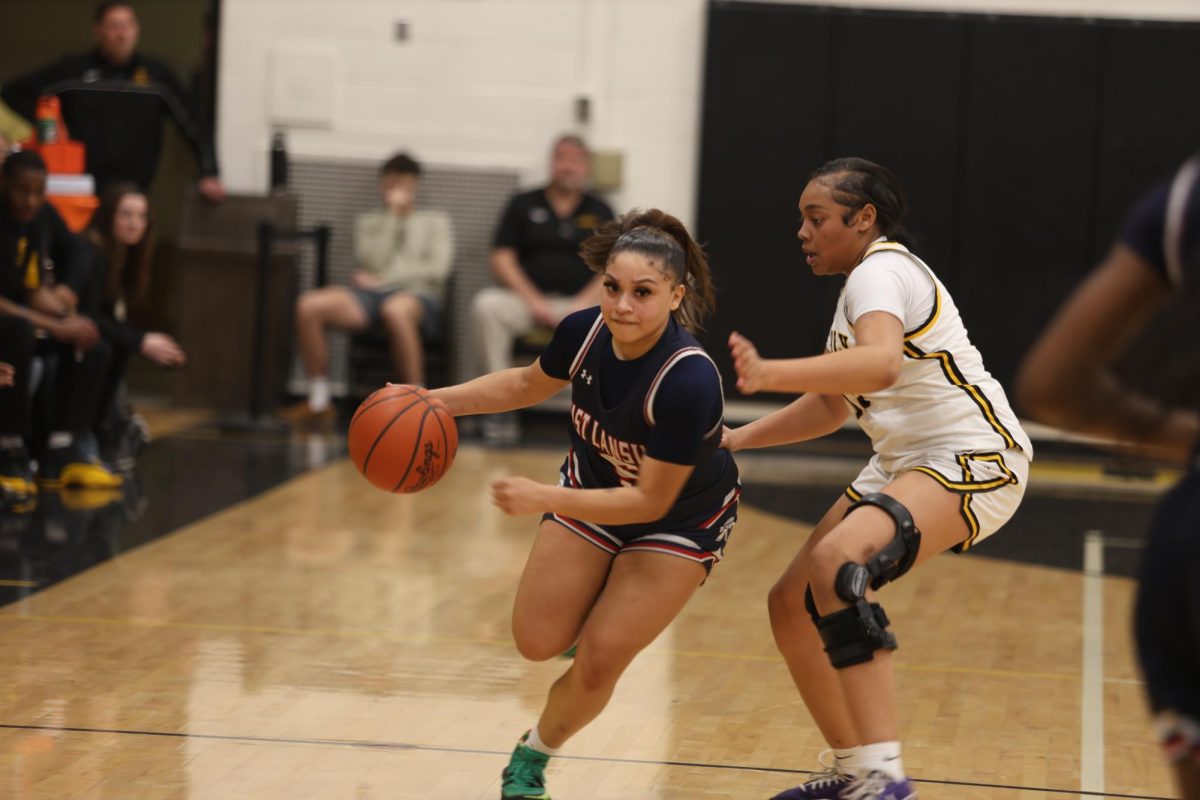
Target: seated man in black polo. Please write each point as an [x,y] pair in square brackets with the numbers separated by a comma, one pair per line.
[535,256]
[32,238]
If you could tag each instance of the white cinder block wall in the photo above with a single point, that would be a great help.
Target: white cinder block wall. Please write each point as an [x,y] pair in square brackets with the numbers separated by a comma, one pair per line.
[490,82]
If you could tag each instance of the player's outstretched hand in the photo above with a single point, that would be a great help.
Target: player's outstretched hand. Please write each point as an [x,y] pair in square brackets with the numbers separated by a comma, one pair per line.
[750,366]
[729,439]
[518,496]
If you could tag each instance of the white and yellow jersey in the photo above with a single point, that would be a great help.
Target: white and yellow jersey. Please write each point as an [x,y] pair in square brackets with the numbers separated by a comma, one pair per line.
[944,399]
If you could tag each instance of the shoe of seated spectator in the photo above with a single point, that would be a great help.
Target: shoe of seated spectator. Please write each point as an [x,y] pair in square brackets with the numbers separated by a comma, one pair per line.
[75,467]
[17,485]
[301,415]
[130,438]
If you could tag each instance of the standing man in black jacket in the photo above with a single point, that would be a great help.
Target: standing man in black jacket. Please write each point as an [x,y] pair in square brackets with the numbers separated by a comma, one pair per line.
[113,100]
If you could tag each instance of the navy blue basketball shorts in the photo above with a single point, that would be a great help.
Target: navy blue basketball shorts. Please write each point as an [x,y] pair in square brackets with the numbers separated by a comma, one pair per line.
[1167,619]
[701,538]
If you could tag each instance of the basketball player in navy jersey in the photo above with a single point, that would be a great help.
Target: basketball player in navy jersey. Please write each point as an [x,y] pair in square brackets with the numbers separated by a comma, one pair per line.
[1066,382]
[646,498]
[949,468]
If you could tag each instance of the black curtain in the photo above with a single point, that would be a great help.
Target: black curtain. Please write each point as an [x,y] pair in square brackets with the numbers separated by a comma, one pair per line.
[1022,142]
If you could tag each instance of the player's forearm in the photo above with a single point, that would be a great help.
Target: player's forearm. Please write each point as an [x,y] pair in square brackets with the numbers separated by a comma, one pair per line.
[506,390]
[808,417]
[625,505]
[858,370]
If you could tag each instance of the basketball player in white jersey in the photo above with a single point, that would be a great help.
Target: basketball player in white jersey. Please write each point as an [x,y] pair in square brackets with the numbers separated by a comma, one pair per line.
[950,466]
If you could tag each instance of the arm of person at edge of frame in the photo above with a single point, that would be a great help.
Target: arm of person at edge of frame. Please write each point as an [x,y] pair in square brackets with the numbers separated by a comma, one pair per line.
[1065,379]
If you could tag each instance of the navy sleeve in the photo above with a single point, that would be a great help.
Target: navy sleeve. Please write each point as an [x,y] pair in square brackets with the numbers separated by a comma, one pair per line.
[568,338]
[1143,228]
[687,407]
[508,232]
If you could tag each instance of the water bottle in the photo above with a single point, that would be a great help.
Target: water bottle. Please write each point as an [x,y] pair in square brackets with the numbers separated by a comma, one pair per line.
[279,163]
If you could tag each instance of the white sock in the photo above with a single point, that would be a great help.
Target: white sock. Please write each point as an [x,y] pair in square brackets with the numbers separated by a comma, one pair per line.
[318,394]
[534,742]
[880,757]
[61,439]
[10,442]
[847,760]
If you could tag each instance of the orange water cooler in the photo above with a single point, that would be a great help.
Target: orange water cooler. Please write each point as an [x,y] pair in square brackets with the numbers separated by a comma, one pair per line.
[69,189]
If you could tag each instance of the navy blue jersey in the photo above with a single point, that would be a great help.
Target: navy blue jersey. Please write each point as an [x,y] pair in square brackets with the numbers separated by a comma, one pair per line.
[664,413]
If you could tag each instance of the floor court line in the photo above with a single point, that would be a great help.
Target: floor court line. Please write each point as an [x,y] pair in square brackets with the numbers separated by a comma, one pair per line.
[392,637]
[410,747]
[1091,694]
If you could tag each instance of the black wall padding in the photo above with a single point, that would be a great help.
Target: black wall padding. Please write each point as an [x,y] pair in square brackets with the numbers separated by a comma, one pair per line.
[766,110]
[1022,143]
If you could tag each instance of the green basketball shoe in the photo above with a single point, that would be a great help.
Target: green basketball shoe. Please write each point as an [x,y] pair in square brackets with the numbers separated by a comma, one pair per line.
[524,778]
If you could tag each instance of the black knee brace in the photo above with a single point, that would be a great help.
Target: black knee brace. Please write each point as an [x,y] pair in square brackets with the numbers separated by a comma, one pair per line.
[898,557]
[852,635]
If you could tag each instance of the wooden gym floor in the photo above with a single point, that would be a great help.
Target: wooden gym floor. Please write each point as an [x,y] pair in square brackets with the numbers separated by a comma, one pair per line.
[321,639]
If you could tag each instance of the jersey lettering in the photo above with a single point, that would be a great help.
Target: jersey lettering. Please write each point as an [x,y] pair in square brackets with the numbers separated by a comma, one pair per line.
[625,457]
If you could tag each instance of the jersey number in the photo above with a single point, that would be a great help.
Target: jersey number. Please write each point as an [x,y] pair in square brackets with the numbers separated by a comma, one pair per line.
[860,404]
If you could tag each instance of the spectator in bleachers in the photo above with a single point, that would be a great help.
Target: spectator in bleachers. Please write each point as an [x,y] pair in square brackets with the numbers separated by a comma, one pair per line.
[34,245]
[535,257]
[114,100]
[116,280]
[403,260]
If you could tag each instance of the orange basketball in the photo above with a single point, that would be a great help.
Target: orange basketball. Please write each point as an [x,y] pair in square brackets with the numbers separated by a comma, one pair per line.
[401,440]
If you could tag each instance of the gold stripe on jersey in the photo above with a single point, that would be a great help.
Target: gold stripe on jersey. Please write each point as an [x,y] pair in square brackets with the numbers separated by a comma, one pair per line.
[853,494]
[955,377]
[934,312]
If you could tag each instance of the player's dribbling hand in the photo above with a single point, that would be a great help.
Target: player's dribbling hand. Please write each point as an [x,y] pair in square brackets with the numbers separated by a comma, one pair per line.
[750,367]
[516,496]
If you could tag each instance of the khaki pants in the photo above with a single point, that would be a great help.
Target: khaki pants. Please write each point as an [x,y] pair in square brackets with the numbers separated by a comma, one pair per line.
[498,317]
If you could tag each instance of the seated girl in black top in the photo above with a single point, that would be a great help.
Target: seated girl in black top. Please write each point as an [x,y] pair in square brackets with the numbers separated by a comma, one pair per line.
[121,242]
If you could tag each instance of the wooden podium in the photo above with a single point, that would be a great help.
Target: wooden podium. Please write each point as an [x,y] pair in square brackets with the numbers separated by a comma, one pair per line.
[218,303]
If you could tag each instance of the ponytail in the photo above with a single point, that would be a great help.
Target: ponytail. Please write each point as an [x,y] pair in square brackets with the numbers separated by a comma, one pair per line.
[662,237]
